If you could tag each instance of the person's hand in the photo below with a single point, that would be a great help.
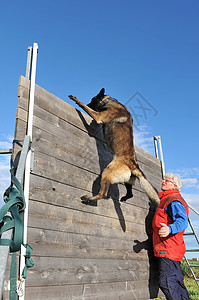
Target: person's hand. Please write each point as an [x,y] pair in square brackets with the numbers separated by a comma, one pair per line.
[164,230]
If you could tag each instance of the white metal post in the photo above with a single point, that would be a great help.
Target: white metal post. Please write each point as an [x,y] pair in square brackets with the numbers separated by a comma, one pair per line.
[28,64]
[158,138]
[161,156]
[28,162]
[156,147]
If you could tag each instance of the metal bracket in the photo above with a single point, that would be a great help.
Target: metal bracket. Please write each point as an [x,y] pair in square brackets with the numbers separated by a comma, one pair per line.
[23,156]
[29,63]
[32,160]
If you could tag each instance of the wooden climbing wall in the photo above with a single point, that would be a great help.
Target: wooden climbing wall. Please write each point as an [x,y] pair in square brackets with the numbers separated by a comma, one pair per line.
[93,252]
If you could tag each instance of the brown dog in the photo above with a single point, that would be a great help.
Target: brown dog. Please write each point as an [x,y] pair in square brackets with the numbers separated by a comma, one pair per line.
[118,132]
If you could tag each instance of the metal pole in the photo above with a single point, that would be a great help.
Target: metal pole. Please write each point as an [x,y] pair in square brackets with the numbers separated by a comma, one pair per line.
[193,230]
[28,64]
[156,147]
[28,161]
[32,90]
[161,156]
[158,138]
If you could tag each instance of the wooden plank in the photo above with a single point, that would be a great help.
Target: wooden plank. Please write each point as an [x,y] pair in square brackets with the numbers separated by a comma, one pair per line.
[69,144]
[150,161]
[147,156]
[23,83]
[53,292]
[56,193]
[52,243]
[45,216]
[58,170]
[62,271]
[111,291]
[81,151]
[55,106]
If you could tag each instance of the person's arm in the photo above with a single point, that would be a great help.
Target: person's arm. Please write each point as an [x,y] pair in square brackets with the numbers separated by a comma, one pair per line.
[177,213]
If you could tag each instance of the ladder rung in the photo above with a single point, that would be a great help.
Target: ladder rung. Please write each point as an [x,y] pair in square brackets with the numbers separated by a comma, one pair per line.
[5,151]
[189,233]
[195,266]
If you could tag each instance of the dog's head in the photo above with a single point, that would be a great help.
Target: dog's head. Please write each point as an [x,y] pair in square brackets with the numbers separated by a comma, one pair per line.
[95,101]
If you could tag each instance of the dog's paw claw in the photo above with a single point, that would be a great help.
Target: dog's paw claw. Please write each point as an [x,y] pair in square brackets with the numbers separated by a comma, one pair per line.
[123,199]
[85,200]
[72,97]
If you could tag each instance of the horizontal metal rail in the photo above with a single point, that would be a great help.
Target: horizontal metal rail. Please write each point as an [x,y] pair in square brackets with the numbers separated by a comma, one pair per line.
[189,233]
[5,151]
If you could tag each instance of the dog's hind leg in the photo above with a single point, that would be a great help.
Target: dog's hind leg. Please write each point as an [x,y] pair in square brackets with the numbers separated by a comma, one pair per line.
[102,193]
[129,193]
[115,172]
[128,185]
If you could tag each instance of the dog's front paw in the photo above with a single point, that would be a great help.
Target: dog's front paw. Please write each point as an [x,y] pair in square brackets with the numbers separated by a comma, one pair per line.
[73,98]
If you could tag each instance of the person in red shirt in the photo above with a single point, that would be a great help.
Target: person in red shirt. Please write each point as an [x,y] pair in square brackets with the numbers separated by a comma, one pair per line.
[169,223]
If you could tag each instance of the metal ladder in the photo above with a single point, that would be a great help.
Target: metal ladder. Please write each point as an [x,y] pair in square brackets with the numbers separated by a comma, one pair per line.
[192,233]
[158,148]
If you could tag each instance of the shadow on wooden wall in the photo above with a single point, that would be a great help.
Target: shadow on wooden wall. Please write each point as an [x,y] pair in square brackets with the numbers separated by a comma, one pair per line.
[95,131]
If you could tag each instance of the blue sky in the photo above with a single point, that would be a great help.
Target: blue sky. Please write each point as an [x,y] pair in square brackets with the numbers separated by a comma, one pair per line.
[145,52]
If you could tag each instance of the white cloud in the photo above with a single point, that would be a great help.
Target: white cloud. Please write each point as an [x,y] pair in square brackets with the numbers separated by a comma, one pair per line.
[189,182]
[187,172]
[5,145]
[192,199]
[144,139]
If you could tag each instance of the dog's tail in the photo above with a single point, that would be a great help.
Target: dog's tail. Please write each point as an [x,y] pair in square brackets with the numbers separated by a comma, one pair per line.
[147,186]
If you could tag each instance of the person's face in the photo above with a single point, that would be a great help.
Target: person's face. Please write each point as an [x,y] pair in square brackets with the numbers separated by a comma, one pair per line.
[167,184]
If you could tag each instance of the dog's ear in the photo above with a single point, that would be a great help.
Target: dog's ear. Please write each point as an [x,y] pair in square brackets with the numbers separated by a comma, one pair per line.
[101,93]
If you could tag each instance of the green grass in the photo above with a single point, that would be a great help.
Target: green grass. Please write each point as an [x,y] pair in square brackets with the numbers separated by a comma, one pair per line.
[189,281]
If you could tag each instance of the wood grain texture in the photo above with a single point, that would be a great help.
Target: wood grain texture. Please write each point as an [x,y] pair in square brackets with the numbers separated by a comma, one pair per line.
[92,252]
